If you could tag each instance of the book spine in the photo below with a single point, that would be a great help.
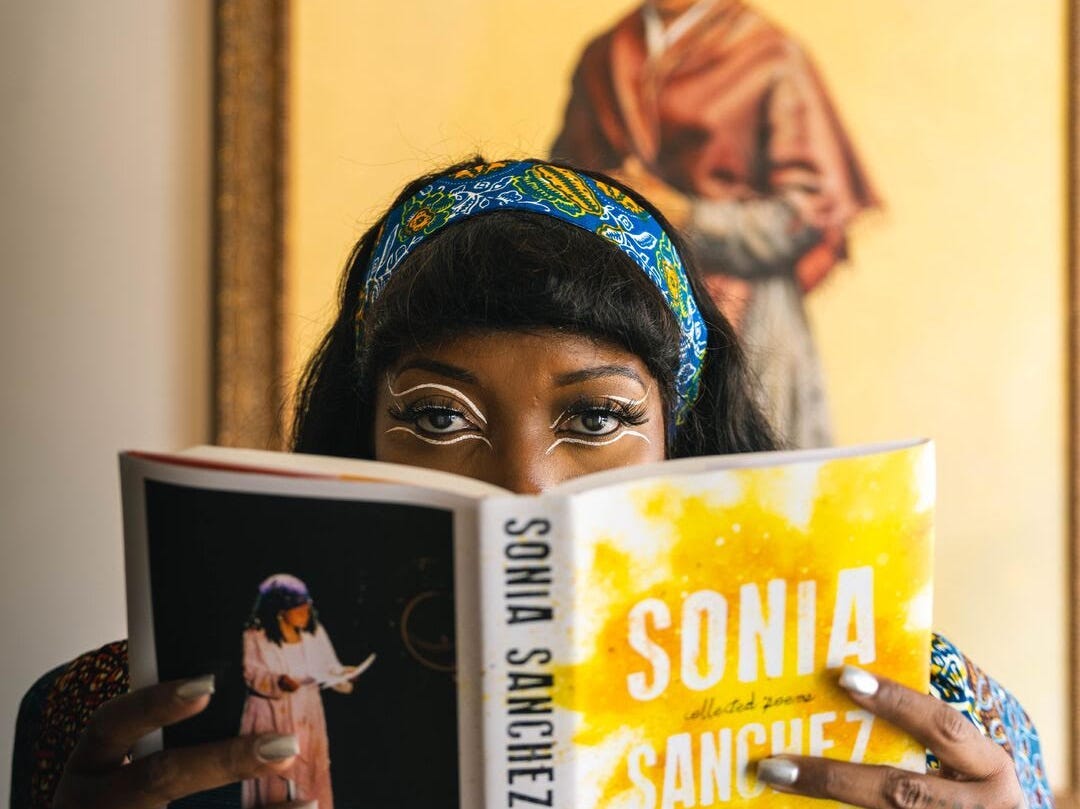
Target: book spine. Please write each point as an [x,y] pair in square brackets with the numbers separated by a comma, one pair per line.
[525,587]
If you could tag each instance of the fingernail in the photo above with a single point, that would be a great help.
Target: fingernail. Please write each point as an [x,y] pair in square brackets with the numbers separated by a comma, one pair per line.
[859,681]
[308,805]
[196,687]
[275,748]
[778,771]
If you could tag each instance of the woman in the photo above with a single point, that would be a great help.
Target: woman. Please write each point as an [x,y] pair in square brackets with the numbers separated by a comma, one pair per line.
[288,657]
[524,323]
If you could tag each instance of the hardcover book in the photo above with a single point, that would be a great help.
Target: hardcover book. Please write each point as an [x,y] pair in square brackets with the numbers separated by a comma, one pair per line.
[633,639]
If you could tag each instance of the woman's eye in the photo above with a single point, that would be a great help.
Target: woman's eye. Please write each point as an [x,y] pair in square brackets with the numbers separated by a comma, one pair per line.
[441,421]
[592,422]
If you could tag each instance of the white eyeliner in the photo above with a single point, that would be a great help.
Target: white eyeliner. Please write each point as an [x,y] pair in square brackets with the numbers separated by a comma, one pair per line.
[445,388]
[591,443]
[625,400]
[440,442]
[628,400]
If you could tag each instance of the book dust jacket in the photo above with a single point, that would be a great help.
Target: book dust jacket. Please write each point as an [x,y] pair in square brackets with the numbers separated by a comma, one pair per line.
[699,625]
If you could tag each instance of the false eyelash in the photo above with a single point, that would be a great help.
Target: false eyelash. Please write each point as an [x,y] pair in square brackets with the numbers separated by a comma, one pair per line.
[468,403]
[414,410]
[628,412]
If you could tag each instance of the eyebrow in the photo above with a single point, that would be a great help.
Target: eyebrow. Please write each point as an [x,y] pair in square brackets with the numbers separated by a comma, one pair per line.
[440,368]
[598,372]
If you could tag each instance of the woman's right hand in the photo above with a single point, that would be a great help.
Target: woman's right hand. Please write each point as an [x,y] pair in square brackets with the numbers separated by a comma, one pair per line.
[99,776]
[287,683]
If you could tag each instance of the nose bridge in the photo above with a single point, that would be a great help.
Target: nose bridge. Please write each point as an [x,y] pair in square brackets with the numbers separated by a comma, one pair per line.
[524,467]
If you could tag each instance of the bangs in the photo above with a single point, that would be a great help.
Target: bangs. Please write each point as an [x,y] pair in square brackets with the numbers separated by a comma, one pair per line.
[515,271]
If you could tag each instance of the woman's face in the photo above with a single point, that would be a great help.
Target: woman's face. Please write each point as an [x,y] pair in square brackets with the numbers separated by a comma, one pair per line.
[522,411]
[297,617]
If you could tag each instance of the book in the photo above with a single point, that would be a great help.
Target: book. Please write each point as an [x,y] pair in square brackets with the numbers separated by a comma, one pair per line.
[631,639]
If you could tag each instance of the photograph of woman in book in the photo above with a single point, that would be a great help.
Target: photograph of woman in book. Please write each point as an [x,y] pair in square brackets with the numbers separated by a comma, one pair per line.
[523,323]
[288,659]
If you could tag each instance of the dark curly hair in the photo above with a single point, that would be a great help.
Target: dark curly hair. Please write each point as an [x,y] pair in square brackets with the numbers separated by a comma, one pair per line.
[273,599]
[517,271]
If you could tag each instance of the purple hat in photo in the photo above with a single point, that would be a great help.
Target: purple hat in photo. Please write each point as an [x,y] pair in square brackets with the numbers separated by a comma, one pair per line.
[291,590]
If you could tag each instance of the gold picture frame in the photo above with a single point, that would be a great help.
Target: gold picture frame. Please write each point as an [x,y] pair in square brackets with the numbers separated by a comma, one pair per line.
[251,74]
[1071,800]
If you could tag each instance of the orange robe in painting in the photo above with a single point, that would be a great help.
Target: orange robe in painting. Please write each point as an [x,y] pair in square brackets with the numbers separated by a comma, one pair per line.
[734,116]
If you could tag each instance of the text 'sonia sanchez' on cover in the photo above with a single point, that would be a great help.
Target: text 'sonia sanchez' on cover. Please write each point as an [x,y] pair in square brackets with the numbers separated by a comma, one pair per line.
[654,640]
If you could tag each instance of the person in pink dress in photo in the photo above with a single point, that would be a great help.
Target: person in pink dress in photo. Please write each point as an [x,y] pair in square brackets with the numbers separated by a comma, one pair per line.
[288,660]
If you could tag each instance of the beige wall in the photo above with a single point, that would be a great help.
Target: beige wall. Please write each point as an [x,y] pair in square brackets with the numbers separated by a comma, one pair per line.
[948,322]
[104,215]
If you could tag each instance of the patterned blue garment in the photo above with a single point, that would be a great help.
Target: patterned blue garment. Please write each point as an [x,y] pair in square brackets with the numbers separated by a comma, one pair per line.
[560,193]
[994,711]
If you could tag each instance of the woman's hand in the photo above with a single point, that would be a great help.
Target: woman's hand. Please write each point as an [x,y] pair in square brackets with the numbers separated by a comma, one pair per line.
[287,683]
[976,773]
[98,776]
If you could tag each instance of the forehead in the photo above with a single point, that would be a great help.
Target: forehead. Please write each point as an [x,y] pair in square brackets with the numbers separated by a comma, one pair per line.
[508,359]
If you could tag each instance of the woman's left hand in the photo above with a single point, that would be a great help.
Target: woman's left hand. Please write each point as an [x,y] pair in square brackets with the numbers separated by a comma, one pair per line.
[975,772]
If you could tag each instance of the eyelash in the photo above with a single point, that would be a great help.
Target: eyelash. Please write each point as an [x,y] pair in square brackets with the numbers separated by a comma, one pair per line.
[412,412]
[631,414]
[626,413]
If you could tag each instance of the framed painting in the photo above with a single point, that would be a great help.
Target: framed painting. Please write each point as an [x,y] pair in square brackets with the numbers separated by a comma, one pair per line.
[941,296]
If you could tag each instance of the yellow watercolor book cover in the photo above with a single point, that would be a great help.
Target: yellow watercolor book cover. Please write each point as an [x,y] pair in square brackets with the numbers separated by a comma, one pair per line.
[707,616]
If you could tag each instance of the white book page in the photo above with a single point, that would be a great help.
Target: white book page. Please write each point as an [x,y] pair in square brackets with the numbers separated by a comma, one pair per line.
[711,463]
[296,463]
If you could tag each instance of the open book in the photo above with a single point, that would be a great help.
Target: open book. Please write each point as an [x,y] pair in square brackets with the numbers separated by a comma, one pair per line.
[633,639]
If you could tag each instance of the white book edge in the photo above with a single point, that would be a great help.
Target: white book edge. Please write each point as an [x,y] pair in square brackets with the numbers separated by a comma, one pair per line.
[266,461]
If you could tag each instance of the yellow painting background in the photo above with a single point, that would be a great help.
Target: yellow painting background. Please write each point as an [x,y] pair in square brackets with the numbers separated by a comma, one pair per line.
[947,322]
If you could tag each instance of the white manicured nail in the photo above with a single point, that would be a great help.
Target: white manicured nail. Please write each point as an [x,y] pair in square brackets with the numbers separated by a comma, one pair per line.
[275,748]
[196,687]
[778,771]
[859,681]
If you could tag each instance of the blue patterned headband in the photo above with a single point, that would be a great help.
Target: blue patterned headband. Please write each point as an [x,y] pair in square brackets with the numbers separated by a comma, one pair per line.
[590,204]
